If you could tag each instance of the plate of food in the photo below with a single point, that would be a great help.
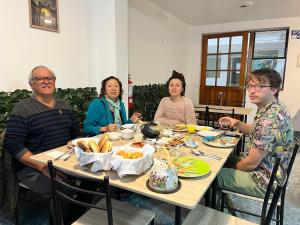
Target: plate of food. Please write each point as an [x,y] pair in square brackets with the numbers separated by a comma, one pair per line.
[204,128]
[222,142]
[181,127]
[188,166]
[175,142]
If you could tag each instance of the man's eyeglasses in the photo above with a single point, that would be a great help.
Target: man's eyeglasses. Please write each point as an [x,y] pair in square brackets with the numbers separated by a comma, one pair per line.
[257,87]
[41,79]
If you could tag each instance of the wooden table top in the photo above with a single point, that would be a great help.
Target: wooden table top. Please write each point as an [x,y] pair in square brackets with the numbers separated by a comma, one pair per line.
[192,189]
[237,110]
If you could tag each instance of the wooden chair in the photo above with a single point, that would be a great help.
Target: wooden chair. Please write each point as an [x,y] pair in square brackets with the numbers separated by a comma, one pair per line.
[202,215]
[280,204]
[101,209]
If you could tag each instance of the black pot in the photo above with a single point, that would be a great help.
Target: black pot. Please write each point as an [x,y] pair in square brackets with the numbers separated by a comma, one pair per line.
[148,132]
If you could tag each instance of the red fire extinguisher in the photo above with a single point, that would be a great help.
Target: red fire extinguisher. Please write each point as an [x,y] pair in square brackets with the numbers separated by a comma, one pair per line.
[130,101]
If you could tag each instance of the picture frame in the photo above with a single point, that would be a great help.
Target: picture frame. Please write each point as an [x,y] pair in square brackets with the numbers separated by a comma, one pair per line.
[43,14]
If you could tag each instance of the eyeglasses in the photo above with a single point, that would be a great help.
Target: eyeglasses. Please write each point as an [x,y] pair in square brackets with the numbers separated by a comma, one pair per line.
[41,79]
[257,87]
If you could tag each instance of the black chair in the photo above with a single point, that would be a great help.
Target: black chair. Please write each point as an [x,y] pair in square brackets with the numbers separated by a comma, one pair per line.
[209,115]
[215,113]
[101,209]
[279,204]
[202,215]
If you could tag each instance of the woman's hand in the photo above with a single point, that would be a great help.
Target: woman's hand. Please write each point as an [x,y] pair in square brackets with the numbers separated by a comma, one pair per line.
[226,122]
[135,117]
[109,127]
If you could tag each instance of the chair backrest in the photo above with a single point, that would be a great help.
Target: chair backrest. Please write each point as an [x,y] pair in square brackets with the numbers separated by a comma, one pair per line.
[267,214]
[214,113]
[62,189]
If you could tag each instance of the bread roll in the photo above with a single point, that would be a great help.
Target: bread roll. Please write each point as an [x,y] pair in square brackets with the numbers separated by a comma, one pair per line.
[102,141]
[83,145]
[93,145]
[107,147]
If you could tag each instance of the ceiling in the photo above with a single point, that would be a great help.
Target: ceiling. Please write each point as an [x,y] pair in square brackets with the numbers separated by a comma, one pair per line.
[203,12]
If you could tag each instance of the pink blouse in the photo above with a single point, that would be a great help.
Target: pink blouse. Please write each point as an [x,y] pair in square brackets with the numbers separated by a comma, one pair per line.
[171,113]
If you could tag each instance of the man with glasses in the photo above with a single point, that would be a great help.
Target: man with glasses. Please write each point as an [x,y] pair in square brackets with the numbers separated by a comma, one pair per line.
[271,133]
[36,124]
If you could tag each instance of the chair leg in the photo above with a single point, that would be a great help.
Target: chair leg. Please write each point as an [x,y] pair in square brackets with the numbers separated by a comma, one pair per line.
[282,207]
[278,211]
[222,201]
[152,222]
[16,211]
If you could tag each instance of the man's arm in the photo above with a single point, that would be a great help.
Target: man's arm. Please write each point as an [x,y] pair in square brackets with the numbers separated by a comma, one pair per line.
[25,159]
[252,161]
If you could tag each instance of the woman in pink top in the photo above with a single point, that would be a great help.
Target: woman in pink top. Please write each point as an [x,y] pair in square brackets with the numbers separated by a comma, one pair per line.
[176,108]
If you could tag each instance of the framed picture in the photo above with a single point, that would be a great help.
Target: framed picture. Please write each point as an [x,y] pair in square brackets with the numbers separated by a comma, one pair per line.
[43,14]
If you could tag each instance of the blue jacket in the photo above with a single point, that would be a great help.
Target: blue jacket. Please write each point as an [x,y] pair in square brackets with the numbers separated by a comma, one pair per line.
[99,115]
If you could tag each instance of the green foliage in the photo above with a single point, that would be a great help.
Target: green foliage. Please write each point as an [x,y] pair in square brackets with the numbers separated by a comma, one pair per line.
[78,99]
[146,99]
[8,100]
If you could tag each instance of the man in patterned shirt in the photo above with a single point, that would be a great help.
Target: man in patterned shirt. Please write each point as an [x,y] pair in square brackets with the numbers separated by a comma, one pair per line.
[271,133]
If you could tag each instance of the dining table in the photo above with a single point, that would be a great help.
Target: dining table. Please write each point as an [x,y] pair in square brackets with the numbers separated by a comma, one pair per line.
[192,189]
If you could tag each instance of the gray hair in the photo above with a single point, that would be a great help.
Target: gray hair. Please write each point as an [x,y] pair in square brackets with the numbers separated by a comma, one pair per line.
[35,68]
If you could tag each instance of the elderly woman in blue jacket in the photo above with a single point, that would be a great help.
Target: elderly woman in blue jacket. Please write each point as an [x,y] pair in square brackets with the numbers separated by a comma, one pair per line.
[107,113]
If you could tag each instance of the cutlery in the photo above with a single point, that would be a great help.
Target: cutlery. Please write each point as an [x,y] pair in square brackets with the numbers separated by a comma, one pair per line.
[65,153]
[202,154]
[69,156]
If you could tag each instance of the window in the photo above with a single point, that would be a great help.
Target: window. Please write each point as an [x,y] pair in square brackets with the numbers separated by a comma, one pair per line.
[269,50]
[223,61]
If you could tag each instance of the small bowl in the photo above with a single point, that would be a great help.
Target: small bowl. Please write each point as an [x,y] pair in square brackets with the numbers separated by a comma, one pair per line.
[113,136]
[127,134]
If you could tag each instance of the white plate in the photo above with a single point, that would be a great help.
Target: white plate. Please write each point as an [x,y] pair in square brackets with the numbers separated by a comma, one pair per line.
[204,128]
[207,133]
[128,126]
[228,142]
[74,142]
[180,130]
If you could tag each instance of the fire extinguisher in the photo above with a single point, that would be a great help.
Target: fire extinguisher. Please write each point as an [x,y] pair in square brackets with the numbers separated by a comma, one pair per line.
[130,100]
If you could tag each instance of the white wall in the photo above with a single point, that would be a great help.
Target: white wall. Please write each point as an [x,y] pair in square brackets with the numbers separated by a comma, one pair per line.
[158,43]
[91,45]
[290,95]
[22,47]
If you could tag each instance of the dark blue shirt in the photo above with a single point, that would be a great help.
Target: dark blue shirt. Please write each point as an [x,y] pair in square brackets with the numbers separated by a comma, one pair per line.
[35,127]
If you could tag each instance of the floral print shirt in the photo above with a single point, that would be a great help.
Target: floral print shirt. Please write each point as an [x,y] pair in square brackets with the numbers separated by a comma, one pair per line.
[272,131]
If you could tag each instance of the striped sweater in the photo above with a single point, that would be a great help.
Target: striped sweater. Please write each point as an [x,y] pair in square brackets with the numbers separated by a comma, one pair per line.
[35,127]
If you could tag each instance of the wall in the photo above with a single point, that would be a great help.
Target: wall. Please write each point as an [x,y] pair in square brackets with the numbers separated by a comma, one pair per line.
[158,43]
[23,47]
[91,45]
[290,95]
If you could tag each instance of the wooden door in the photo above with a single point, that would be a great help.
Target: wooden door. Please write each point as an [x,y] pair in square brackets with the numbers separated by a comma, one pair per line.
[223,68]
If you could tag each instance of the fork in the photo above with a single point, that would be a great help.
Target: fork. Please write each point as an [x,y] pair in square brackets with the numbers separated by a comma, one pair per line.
[202,154]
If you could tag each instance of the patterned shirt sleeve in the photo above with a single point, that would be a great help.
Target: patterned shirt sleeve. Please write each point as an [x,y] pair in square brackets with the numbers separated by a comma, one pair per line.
[264,134]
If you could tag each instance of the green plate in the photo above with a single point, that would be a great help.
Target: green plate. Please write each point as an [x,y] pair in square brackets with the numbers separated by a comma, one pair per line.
[189,166]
